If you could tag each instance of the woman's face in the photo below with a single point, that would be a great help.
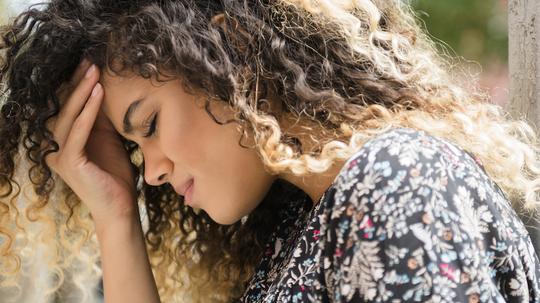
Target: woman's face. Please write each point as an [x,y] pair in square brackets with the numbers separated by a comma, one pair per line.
[180,141]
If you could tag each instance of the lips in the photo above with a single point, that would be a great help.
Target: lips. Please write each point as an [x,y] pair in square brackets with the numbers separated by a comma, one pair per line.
[182,189]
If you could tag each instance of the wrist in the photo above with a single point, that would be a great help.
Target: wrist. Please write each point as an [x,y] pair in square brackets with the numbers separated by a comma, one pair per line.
[125,222]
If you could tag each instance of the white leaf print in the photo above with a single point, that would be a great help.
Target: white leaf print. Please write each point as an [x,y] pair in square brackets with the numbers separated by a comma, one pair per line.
[365,270]
[408,155]
[423,235]
[277,248]
[395,253]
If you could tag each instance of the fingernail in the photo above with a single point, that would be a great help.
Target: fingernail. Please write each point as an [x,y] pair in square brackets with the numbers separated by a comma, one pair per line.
[96,89]
[90,71]
[83,62]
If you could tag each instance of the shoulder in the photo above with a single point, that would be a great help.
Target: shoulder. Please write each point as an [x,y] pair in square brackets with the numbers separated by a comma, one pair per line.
[404,160]
[404,148]
[409,215]
[415,179]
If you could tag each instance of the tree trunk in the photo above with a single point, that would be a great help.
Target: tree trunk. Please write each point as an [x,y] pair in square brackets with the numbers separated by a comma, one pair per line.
[524,65]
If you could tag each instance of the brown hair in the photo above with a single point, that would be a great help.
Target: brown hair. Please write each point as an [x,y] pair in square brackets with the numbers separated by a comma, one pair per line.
[345,70]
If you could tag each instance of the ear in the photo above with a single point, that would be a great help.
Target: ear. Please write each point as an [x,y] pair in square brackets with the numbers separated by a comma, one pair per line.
[236,34]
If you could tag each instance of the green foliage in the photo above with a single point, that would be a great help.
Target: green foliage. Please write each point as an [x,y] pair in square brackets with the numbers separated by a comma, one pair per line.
[475,29]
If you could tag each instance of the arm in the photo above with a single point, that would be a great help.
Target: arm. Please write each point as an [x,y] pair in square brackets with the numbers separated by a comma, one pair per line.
[94,164]
[127,276]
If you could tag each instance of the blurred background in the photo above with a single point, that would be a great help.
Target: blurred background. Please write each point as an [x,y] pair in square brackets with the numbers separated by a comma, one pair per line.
[474,30]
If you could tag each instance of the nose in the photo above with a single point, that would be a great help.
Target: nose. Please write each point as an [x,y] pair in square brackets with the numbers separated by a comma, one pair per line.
[157,167]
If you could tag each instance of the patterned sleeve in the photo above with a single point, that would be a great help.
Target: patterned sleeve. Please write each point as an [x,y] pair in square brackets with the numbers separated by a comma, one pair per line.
[406,226]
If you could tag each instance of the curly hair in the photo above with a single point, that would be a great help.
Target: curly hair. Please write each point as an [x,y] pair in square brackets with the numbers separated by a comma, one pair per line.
[345,71]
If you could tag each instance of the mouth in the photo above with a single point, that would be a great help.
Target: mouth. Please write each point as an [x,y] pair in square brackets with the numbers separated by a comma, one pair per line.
[182,190]
[188,197]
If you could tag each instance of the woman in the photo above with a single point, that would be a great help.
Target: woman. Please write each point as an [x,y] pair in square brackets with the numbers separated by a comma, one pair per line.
[280,151]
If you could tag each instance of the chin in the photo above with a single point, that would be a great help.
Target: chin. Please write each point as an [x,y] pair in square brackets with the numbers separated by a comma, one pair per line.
[224,218]
[230,213]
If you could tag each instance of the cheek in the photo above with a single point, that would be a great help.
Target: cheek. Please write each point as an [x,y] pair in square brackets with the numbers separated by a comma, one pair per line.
[230,178]
[197,145]
[216,145]
[177,136]
[236,174]
[183,147]
[221,153]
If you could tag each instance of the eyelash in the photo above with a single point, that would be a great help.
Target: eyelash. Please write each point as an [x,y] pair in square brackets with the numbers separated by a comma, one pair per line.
[151,126]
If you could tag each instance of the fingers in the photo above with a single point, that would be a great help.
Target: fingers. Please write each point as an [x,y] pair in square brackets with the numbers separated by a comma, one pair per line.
[80,71]
[75,103]
[73,124]
[66,88]
[64,91]
[82,126]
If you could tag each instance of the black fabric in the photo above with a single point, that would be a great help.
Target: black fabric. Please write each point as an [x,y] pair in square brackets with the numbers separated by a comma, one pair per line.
[409,218]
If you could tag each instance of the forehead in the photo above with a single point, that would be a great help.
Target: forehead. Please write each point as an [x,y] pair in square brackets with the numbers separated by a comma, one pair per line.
[113,82]
[120,90]
[126,83]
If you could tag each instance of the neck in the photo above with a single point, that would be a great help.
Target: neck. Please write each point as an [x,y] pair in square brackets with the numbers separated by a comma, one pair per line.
[315,185]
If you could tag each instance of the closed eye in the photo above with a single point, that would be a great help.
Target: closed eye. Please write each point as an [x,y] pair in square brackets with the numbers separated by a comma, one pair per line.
[151,126]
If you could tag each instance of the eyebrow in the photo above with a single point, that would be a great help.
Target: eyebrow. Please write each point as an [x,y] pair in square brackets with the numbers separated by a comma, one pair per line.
[127,125]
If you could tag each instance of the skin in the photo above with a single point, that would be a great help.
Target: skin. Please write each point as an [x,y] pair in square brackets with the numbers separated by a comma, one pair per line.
[92,161]
[186,143]
[230,180]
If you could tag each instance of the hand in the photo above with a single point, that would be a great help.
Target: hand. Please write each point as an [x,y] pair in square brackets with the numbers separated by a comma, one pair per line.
[91,158]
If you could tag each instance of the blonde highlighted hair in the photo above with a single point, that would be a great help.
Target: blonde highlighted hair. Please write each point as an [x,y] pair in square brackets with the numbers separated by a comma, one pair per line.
[344,70]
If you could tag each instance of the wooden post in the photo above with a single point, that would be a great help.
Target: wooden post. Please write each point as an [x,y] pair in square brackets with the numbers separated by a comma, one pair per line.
[524,66]
[3,11]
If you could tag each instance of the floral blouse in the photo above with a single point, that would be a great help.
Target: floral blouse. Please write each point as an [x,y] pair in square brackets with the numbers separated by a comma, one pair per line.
[409,218]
